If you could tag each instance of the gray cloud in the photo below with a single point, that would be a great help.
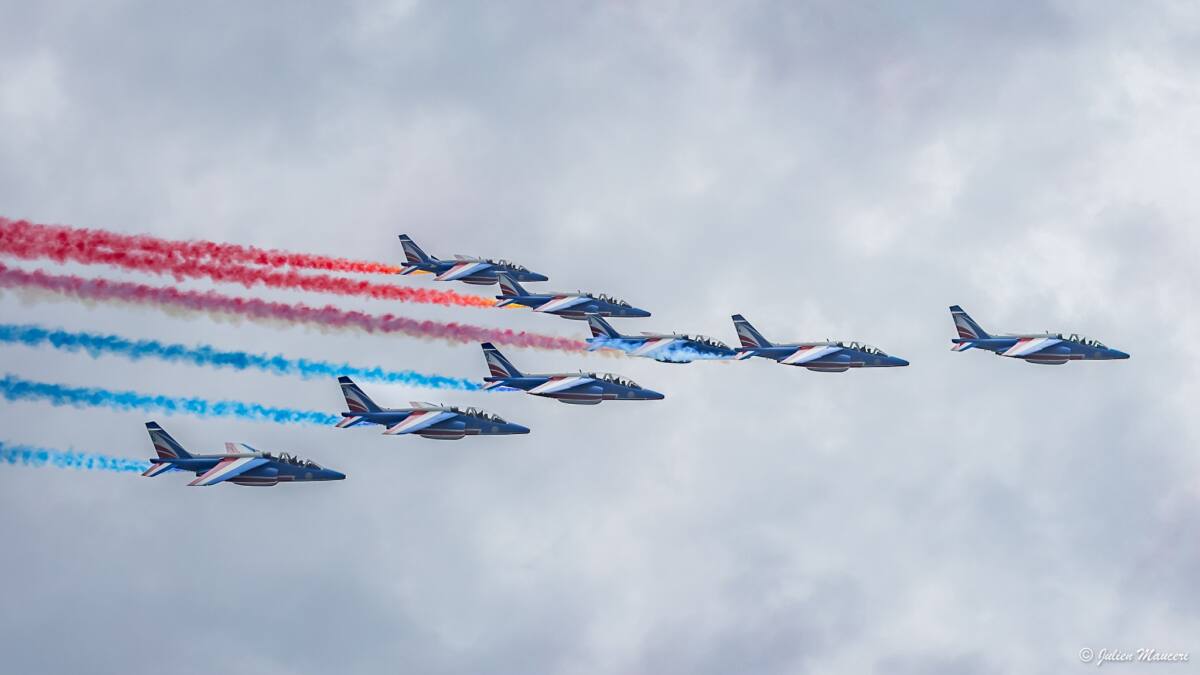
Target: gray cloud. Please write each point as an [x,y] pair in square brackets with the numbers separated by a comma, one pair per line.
[828,171]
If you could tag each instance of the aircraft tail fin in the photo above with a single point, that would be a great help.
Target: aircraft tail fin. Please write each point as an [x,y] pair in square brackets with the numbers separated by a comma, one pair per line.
[498,363]
[164,445]
[966,326]
[356,400]
[412,252]
[601,328]
[748,334]
[509,285]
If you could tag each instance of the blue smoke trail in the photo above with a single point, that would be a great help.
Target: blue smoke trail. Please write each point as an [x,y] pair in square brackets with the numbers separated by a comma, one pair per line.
[30,456]
[96,345]
[14,388]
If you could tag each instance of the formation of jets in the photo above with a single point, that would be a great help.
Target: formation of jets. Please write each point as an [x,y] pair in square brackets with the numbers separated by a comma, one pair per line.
[243,465]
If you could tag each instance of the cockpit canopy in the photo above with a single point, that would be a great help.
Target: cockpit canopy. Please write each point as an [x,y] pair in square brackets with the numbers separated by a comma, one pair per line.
[862,347]
[501,262]
[476,412]
[604,297]
[1084,340]
[615,379]
[705,340]
[287,458]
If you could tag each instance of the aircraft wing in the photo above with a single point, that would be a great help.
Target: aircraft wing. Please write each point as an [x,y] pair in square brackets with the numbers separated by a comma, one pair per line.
[1027,346]
[562,302]
[806,354]
[418,420]
[464,268]
[557,384]
[228,468]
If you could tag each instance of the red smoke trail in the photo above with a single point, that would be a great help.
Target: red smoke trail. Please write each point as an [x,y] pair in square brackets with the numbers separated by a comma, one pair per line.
[191,250]
[328,316]
[146,254]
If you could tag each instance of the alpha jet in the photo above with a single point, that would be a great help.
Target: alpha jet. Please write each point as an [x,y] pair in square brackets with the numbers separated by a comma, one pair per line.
[578,388]
[830,356]
[439,422]
[1052,349]
[240,465]
[663,347]
[571,305]
[479,271]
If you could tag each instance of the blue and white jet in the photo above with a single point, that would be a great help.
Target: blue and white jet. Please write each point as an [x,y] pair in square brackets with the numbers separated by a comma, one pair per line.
[478,271]
[570,305]
[663,347]
[578,388]
[1052,349]
[829,356]
[240,465]
[427,420]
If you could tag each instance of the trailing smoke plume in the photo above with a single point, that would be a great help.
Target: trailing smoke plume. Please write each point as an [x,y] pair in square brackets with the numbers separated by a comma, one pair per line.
[14,388]
[206,355]
[187,260]
[102,290]
[27,455]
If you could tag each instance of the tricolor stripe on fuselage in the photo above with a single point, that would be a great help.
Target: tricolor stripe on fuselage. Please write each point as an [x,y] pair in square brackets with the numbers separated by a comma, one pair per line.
[561,303]
[559,384]
[228,468]
[652,345]
[418,420]
[462,269]
[1026,346]
[810,353]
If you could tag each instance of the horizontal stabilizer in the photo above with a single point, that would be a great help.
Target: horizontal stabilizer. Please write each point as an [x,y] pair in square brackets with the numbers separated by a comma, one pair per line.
[156,469]
[350,421]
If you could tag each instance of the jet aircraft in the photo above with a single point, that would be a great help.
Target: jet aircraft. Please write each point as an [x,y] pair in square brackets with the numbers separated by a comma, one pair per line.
[829,356]
[478,271]
[439,422]
[663,347]
[1051,349]
[572,305]
[578,388]
[239,465]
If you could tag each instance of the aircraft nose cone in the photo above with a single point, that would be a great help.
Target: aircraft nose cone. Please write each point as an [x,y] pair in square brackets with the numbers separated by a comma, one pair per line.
[1118,354]
[897,361]
[639,312]
[515,429]
[538,277]
[336,475]
[650,395]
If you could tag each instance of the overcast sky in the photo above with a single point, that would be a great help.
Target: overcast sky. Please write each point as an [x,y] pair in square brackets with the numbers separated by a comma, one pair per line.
[827,170]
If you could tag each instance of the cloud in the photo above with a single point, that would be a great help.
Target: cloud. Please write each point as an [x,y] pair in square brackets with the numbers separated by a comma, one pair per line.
[827,171]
